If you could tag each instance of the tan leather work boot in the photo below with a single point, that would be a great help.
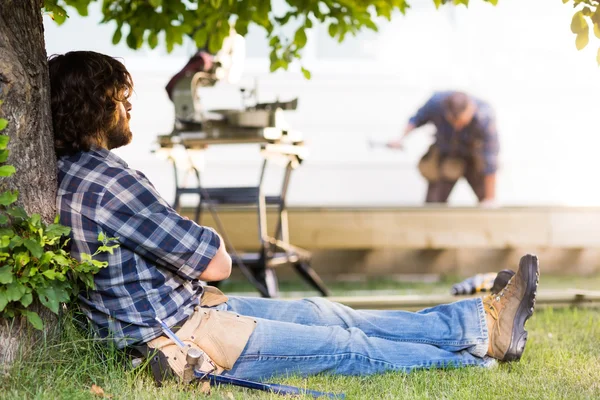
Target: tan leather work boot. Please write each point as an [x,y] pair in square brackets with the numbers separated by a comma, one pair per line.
[510,309]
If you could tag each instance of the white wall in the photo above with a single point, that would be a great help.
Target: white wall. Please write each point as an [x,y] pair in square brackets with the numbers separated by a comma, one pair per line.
[519,55]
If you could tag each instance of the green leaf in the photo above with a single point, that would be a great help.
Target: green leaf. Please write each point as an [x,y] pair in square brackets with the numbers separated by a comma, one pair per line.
[3,219]
[48,298]
[82,7]
[117,36]
[50,274]
[132,40]
[4,139]
[241,27]
[597,31]
[6,274]
[61,260]
[169,39]
[3,155]
[9,197]
[57,13]
[305,72]
[34,319]
[300,38]
[17,212]
[27,299]
[15,291]
[22,259]
[582,40]
[57,230]
[214,43]
[3,300]
[34,247]
[156,3]
[7,170]
[152,39]
[35,220]
[578,23]
[15,241]
[3,123]
[333,29]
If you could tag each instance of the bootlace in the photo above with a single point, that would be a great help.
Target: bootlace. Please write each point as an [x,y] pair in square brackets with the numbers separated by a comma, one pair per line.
[490,301]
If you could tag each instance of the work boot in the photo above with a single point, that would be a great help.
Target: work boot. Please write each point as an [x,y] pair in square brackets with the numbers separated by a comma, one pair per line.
[501,280]
[508,310]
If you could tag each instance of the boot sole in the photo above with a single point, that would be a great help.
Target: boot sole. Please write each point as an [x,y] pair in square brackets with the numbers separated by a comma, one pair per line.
[529,264]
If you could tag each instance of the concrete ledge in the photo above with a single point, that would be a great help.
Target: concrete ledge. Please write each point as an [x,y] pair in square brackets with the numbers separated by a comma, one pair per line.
[423,227]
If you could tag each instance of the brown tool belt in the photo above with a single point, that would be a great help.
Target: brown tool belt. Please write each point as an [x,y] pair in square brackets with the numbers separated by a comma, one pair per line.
[221,335]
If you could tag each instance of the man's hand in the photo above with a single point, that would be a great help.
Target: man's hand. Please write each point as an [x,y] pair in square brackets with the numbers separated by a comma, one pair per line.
[397,144]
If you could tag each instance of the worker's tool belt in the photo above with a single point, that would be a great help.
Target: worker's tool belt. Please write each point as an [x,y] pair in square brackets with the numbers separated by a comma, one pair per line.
[434,166]
[221,335]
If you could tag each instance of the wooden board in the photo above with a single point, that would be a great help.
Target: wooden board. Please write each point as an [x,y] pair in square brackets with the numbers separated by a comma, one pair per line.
[423,227]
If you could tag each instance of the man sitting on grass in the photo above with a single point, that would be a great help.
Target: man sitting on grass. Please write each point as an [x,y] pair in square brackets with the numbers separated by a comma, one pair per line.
[162,257]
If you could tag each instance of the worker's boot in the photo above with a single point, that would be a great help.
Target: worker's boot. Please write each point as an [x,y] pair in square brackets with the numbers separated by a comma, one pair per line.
[501,280]
[508,310]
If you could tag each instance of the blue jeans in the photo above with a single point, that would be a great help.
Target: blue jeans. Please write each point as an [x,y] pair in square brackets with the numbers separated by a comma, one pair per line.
[315,335]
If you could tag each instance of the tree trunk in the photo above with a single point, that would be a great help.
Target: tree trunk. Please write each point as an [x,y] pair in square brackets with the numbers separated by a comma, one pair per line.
[24,88]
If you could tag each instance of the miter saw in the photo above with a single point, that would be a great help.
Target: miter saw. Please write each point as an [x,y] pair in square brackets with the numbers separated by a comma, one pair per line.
[205,70]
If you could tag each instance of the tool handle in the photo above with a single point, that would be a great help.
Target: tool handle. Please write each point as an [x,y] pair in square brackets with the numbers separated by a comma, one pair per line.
[285,390]
[271,387]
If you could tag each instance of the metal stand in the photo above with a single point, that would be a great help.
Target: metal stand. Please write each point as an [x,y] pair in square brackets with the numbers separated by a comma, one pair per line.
[274,250]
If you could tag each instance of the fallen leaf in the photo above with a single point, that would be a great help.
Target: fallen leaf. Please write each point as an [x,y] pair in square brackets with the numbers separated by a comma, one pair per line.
[97,390]
[205,389]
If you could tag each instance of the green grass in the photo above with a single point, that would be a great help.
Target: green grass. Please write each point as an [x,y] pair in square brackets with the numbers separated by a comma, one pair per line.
[397,285]
[562,361]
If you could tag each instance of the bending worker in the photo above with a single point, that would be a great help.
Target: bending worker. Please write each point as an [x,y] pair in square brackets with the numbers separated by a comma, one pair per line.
[466,145]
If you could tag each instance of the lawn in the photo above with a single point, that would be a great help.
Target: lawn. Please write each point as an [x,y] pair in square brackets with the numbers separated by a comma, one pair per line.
[561,361]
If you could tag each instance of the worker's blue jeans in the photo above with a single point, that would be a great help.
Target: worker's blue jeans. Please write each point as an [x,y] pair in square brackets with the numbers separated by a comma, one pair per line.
[312,336]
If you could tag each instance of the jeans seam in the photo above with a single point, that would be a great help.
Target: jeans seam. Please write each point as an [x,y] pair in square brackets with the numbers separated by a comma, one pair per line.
[434,343]
[481,349]
[428,363]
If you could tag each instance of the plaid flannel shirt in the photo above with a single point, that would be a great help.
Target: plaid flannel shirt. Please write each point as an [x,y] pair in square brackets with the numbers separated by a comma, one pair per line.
[483,124]
[154,271]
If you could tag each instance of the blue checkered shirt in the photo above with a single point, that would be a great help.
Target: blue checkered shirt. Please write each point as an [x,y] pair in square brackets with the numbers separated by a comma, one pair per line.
[483,126]
[154,271]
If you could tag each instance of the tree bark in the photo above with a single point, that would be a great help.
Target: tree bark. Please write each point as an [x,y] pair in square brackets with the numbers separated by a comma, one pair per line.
[25,90]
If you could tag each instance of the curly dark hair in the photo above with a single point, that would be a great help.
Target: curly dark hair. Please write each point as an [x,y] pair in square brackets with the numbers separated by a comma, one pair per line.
[84,90]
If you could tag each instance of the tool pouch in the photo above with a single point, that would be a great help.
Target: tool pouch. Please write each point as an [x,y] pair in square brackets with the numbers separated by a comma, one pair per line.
[221,335]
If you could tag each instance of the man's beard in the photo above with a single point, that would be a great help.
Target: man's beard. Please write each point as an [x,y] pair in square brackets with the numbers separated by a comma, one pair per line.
[119,135]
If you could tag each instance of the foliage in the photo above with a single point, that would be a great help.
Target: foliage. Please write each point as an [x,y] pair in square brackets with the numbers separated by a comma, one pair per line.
[207,22]
[587,16]
[34,262]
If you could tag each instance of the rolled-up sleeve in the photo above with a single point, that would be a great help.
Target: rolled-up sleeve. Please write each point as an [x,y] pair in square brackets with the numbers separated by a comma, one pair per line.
[133,211]
[426,113]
